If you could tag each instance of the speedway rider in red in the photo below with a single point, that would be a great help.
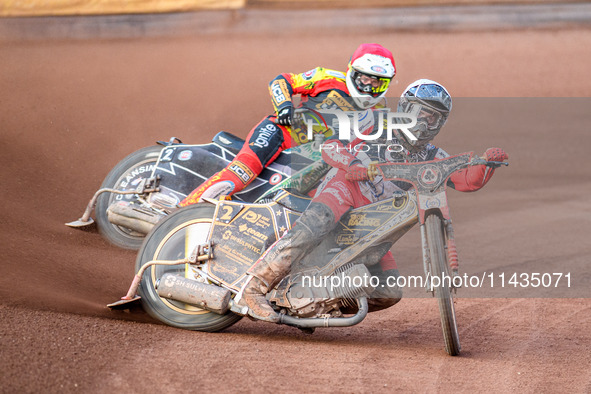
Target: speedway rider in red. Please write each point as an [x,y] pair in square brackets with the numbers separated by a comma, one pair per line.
[369,74]
[339,193]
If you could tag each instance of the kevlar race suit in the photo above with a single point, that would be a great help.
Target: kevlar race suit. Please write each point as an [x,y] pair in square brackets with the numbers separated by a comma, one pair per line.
[319,88]
[337,195]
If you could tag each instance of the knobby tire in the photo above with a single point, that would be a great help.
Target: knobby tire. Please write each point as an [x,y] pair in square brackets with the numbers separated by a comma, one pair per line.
[444,293]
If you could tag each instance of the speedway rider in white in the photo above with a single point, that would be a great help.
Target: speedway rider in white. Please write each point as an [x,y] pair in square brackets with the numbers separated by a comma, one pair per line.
[338,194]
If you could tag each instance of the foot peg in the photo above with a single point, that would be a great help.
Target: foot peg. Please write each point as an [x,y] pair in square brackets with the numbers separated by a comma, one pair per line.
[80,223]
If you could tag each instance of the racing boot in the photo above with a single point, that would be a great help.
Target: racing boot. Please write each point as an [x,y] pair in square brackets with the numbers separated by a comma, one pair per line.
[314,224]
[264,276]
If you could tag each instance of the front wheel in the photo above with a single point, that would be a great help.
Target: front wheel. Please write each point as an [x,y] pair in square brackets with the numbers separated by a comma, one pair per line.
[443,292]
[126,175]
[167,241]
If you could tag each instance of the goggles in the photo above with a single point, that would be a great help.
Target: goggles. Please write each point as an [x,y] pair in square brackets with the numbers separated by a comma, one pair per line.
[370,84]
[430,116]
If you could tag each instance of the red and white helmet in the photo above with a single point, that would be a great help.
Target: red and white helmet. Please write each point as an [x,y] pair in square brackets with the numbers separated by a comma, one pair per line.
[369,74]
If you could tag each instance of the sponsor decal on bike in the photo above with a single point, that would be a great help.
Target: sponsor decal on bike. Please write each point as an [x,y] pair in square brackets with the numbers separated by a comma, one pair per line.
[167,155]
[241,171]
[299,136]
[237,259]
[429,175]
[247,245]
[185,155]
[432,203]
[224,140]
[346,239]
[385,207]
[363,220]
[131,178]
[246,229]
[257,219]
[437,201]
[275,179]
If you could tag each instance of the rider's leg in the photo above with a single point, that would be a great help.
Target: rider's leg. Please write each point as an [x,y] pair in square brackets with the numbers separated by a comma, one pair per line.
[263,144]
[387,293]
[321,216]
[275,264]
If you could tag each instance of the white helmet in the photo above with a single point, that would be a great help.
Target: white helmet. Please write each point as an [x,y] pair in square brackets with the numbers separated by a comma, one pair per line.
[369,74]
[435,105]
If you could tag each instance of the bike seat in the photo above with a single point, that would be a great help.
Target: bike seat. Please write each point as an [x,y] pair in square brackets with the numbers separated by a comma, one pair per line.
[228,141]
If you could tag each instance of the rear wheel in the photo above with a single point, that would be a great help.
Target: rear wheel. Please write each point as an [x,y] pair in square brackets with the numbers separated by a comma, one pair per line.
[125,176]
[167,242]
[444,292]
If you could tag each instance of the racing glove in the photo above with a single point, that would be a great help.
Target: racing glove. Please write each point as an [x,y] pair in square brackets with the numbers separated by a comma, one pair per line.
[495,154]
[285,115]
[359,172]
[475,177]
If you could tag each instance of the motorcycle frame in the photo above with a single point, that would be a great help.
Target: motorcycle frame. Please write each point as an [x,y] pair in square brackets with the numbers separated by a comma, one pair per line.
[423,199]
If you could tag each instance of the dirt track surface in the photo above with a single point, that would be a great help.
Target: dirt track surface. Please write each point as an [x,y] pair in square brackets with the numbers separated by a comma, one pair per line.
[72,109]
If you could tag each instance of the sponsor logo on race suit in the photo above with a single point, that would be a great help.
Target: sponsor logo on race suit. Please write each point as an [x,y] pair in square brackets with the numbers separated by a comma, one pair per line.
[241,171]
[279,92]
[308,75]
[264,135]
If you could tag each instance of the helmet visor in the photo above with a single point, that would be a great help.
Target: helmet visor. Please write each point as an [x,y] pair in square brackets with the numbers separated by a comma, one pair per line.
[370,84]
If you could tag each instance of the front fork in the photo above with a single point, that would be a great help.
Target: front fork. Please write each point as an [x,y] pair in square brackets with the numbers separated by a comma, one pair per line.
[426,258]
[452,253]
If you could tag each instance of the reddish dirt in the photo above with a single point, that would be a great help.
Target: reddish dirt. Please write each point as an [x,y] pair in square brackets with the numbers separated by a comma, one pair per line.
[71,109]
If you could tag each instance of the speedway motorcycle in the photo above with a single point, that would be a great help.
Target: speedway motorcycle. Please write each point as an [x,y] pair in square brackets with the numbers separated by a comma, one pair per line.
[149,183]
[193,265]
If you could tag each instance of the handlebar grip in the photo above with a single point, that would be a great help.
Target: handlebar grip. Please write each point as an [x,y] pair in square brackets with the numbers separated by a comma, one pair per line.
[493,164]
[360,173]
[356,176]
[496,164]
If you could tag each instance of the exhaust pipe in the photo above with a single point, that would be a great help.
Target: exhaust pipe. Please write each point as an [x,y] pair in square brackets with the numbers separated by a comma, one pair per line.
[133,218]
[328,322]
[213,298]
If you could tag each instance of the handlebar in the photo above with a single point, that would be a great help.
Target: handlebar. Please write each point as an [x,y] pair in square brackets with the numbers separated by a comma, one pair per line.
[299,112]
[372,170]
[493,164]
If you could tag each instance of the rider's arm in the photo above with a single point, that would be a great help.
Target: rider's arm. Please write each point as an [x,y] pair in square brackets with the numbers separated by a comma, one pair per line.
[285,85]
[470,179]
[474,178]
[336,154]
